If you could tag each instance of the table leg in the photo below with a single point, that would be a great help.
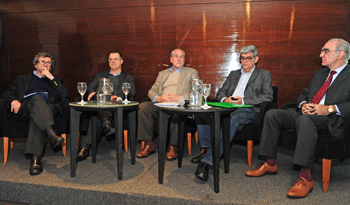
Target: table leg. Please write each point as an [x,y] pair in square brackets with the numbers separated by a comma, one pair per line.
[132,134]
[226,141]
[163,128]
[118,119]
[93,137]
[215,145]
[181,133]
[74,130]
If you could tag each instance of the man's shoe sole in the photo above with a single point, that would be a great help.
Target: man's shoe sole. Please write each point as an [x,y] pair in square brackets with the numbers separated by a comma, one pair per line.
[267,173]
[297,197]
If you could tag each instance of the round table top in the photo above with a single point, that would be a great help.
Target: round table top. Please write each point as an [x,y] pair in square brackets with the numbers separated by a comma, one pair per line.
[194,110]
[92,105]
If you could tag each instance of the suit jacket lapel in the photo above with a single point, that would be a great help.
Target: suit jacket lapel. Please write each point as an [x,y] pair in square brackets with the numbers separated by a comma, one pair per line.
[121,79]
[235,79]
[26,83]
[163,79]
[253,76]
[341,77]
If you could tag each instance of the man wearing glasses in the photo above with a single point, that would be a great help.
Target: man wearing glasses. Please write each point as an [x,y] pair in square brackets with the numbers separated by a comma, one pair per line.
[248,86]
[37,97]
[328,95]
[117,77]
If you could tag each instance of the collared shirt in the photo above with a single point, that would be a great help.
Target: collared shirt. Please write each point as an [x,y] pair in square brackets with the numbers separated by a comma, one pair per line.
[115,74]
[335,75]
[36,74]
[242,84]
[171,70]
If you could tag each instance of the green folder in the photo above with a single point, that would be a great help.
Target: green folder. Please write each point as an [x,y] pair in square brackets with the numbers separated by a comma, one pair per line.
[227,105]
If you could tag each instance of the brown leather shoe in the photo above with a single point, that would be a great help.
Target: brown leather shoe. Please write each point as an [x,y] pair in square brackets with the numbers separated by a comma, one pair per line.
[172,154]
[262,170]
[301,188]
[147,150]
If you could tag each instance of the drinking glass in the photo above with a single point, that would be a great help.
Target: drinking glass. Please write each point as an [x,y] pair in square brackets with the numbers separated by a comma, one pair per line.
[206,89]
[82,86]
[126,89]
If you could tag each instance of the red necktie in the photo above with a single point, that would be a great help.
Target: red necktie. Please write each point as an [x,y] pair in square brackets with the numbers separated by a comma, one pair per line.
[320,93]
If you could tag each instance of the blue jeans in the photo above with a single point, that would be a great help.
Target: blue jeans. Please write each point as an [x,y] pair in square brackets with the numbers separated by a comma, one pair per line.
[239,118]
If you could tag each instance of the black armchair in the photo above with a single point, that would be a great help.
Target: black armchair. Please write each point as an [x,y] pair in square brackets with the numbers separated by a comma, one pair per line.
[328,147]
[252,131]
[19,129]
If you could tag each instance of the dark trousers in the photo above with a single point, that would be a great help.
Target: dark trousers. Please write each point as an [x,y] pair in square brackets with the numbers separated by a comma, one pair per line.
[307,128]
[102,115]
[40,115]
[147,114]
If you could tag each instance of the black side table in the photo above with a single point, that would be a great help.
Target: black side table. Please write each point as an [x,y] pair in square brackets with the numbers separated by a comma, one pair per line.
[217,114]
[117,109]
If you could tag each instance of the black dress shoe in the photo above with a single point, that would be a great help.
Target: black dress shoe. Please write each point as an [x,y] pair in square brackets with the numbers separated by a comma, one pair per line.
[36,167]
[82,154]
[196,160]
[202,171]
[107,129]
[55,140]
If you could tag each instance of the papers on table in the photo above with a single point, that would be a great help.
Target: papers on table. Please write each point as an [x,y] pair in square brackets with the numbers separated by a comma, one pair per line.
[167,104]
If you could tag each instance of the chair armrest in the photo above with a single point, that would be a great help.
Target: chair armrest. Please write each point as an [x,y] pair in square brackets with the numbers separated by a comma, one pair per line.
[145,100]
[3,109]
[346,124]
[264,107]
[289,105]
[65,108]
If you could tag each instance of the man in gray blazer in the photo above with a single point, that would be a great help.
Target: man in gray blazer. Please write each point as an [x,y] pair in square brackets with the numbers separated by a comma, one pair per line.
[327,96]
[171,85]
[248,86]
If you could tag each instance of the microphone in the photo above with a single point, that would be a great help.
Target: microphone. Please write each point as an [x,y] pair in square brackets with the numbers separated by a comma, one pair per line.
[181,103]
[118,100]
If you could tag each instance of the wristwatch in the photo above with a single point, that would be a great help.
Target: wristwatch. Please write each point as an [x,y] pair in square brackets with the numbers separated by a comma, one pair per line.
[330,109]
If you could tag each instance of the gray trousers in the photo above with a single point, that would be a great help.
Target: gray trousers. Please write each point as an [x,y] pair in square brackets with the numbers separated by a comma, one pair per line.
[147,114]
[40,116]
[308,127]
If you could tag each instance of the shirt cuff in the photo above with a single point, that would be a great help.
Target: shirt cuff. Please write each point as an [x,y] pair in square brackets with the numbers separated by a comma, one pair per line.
[338,111]
[301,104]
[154,99]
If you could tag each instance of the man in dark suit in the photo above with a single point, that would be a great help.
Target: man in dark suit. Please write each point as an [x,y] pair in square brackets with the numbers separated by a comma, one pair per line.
[117,77]
[328,92]
[37,97]
[248,86]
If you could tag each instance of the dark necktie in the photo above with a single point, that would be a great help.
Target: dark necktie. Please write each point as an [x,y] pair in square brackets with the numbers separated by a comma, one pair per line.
[320,93]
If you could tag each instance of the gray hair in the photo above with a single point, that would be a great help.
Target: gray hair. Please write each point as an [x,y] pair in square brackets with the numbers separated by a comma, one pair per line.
[248,49]
[43,54]
[172,52]
[342,45]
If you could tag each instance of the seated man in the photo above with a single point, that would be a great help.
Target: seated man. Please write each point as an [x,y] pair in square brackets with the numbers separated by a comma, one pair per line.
[37,97]
[315,103]
[250,86]
[172,85]
[117,77]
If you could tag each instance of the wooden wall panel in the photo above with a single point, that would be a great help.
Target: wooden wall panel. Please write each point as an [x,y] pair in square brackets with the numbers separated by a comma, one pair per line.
[80,33]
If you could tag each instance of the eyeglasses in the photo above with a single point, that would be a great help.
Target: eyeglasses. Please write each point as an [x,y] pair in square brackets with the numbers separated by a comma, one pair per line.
[44,62]
[114,59]
[249,58]
[326,50]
